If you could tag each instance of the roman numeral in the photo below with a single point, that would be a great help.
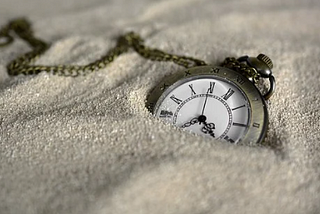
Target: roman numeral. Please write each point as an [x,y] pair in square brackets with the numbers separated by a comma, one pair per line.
[192,91]
[256,125]
[240,80]
[176,100]
[228,139]
[228,94]
[212,84]
[214,70]
[238,107]
[163,87]
[240,124]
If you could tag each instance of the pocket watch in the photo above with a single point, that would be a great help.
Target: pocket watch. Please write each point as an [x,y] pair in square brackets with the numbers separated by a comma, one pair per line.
[220,102]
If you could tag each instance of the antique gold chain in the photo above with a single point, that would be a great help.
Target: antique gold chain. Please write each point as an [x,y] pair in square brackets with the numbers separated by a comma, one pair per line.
[25,64]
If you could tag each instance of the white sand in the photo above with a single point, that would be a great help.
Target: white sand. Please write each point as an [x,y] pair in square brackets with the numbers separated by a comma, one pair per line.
[88,144]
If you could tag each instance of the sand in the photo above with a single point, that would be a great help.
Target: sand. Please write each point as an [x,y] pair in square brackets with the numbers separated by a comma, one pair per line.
[89,145]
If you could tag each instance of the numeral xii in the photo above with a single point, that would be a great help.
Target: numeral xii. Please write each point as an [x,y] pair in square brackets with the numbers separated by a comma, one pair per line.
[210,89]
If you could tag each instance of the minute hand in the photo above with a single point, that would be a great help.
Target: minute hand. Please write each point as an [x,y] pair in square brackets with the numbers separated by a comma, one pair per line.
[205,102]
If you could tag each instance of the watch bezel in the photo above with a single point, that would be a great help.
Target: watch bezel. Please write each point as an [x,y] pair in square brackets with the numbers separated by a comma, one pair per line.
[259,116]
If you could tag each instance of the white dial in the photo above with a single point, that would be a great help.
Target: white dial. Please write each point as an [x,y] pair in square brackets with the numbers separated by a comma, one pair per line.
[206,105]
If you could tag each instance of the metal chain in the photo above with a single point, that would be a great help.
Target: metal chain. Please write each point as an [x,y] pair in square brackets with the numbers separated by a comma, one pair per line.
[24,64]
[244,69]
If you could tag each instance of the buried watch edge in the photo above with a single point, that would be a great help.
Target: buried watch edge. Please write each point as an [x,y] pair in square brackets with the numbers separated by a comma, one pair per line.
[254,130]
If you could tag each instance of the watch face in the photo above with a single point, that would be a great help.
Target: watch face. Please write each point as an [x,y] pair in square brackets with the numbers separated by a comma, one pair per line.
[211,101]
[206,105]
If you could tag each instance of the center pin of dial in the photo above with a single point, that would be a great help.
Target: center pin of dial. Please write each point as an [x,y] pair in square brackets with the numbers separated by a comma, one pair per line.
[202,119]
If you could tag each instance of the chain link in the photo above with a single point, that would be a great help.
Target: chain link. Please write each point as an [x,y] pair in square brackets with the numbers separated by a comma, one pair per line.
[244,69]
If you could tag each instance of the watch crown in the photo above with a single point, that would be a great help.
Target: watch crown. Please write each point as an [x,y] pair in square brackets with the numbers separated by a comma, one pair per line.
[266,60]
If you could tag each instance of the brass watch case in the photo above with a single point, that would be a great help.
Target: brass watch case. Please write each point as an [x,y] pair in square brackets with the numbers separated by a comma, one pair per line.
[258,121]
